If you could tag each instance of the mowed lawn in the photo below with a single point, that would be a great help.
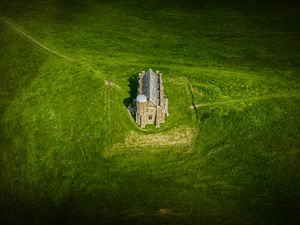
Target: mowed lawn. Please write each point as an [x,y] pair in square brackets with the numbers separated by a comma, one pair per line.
[71,153]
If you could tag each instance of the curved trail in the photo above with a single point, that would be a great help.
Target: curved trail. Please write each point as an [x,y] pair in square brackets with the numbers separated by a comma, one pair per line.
[14,27]
[109,83]
[53,52]
[287,95]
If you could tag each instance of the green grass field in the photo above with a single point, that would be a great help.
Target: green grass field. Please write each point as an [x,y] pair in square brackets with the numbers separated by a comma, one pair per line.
[72,154]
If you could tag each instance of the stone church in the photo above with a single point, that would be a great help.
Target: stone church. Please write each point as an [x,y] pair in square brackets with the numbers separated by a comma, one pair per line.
[151,104]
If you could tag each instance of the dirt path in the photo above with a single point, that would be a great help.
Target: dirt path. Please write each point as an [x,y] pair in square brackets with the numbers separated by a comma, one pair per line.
[15,28]
[53,52]
[286,95]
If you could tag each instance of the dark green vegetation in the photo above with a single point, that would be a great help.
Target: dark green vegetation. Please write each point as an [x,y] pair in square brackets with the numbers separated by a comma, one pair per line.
[60,123]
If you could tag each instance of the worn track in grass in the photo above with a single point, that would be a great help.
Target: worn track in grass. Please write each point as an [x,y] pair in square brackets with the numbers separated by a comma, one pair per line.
[18,30]
[265,97]
[167,140]
[53,52]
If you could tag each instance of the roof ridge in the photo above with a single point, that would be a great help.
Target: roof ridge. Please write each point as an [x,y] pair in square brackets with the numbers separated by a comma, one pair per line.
[150,81]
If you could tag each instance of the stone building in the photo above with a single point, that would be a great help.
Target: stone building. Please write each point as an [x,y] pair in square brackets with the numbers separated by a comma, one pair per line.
[151,104]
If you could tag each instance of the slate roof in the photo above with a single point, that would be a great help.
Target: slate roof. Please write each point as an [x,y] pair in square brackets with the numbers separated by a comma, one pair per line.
[151,86]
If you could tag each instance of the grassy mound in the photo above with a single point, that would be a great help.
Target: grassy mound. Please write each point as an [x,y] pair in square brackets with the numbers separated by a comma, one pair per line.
[72,154]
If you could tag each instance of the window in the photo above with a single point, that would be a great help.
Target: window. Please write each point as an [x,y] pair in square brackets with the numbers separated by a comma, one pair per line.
[150,117]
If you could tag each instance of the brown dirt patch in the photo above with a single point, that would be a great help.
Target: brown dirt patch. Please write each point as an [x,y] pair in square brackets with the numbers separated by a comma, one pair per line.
[175,137]
[166,212]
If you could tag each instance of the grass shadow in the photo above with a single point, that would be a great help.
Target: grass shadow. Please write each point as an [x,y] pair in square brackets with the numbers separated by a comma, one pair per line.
[133,88]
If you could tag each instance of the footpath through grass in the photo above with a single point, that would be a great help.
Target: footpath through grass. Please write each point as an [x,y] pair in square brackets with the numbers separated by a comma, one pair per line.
[71,153]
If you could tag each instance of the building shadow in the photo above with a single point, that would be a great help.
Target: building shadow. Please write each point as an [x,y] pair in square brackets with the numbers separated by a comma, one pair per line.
[133,88]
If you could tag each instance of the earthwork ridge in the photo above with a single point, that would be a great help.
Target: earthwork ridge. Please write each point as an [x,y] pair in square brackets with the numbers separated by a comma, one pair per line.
[132,139]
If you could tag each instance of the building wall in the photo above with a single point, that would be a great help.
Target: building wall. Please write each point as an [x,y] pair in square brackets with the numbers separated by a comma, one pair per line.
[140,113]
[149,115]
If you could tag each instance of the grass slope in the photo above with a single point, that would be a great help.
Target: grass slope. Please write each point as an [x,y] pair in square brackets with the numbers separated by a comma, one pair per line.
[70,152]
